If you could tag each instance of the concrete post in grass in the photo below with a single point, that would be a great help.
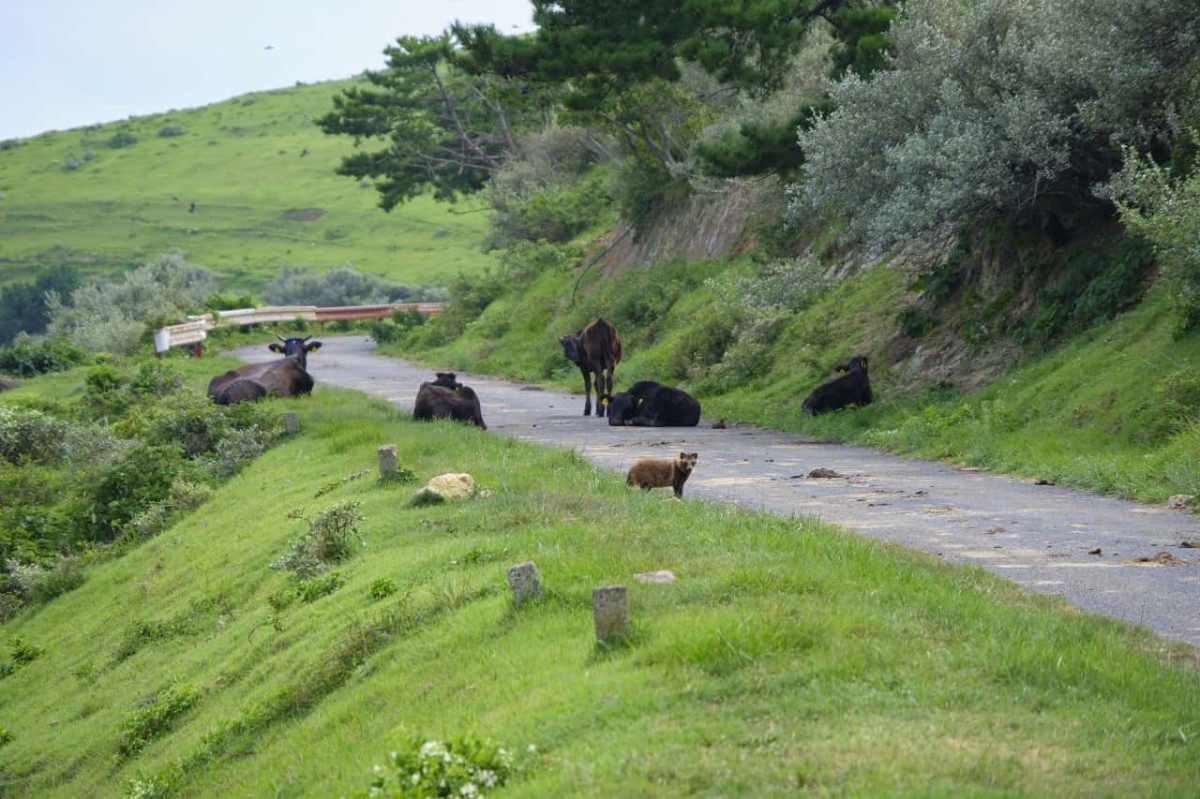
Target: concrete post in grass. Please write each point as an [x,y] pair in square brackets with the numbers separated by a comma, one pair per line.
[525,582]
[388,462]
[290,423]
[610,609]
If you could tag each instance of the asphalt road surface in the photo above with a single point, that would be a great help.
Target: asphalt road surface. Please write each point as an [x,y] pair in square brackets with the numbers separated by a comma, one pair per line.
[1119,559]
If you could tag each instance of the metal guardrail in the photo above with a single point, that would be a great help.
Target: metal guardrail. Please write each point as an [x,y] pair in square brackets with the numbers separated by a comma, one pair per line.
[195,329]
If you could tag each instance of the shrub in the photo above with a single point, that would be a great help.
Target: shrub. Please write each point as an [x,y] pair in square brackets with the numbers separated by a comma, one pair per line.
[23,652]
[155,718]
[122,139]
[930,143]
[341,286]
[31,360]
[1167,213]
[314,589]
[466,766]
[382,588]
[141,477]
[29,435]
[328,540]
[169,131]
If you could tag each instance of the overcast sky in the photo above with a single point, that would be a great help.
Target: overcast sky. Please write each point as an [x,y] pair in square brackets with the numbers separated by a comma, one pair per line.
[69,63]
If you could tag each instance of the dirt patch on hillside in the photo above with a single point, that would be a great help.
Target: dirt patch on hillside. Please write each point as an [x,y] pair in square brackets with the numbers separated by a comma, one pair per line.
[303,214]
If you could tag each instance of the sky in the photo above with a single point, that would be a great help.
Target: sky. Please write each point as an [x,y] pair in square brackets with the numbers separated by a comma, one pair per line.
[69,63]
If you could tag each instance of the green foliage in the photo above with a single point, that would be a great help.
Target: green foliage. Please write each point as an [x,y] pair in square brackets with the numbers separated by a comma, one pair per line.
[464,766]
[23,652]
[928,144]
[446,132]
[759,146]
[1091,287]
[113,317]
[122,138]
[23,307]
[155,718]
[136,480]
[382,588]
[597,50]
[328,540]
[312,589]
[29,435]
[1166,211]
[862,40]
[342,286]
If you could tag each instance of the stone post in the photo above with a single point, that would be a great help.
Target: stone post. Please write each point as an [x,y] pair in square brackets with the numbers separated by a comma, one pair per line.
[525,582]
[610,609]
[290,423]
[388,463]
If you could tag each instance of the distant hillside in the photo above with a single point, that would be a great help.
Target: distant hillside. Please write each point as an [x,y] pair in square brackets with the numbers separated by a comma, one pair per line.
[262,180]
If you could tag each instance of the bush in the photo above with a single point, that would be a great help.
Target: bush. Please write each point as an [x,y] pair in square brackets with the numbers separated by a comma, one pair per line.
[341,286]
[169,131]
[122,139]
[929,143]
[140,478]
[31,360]
[328,540]
[29,435]
[1167,212]
[466,766]
[155,718]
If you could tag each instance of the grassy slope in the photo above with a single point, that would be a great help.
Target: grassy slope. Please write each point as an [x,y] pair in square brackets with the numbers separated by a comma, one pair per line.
[788,656]
[241,163]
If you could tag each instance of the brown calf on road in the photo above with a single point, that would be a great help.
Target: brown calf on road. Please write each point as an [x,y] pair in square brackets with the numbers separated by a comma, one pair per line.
[596,349]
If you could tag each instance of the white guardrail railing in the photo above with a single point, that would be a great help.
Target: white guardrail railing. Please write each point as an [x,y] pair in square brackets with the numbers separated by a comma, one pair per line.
[195,329]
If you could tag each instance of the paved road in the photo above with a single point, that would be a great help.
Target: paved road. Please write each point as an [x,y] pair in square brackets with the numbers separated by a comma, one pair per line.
[1042,537]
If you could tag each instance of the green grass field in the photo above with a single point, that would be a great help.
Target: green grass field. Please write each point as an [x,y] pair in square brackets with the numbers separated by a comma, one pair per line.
[789,657]
[261,175]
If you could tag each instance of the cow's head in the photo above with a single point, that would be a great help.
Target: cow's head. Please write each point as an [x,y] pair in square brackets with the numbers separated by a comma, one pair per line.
[622,408]
[858,362]
[298,347]
[447,379]
[570,345]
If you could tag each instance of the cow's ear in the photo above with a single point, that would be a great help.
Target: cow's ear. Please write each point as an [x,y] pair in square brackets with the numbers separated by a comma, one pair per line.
[273,347]
[316,345]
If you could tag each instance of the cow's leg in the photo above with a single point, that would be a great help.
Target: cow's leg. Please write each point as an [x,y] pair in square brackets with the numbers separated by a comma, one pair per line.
[587,392]
[603,391]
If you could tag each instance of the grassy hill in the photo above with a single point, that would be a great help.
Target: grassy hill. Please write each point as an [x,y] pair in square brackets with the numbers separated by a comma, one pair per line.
[789,657]
[261,176]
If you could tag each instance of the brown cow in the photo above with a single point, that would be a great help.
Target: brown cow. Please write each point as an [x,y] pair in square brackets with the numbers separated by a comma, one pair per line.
[436,401]
[595,350]
[286,377]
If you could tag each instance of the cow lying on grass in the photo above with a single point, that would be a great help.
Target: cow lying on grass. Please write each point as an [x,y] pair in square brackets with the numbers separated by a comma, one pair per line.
[651,404]
[446,398]
[852,388]
[285,377]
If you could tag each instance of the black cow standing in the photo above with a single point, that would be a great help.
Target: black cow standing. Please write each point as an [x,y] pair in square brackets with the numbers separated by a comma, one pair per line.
[852,388]
[596,349]
[651,404]
[285,377]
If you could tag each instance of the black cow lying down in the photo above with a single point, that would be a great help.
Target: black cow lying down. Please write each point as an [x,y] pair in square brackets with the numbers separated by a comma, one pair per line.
[852,388]
[446,398]
[285,377]
[651,404]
